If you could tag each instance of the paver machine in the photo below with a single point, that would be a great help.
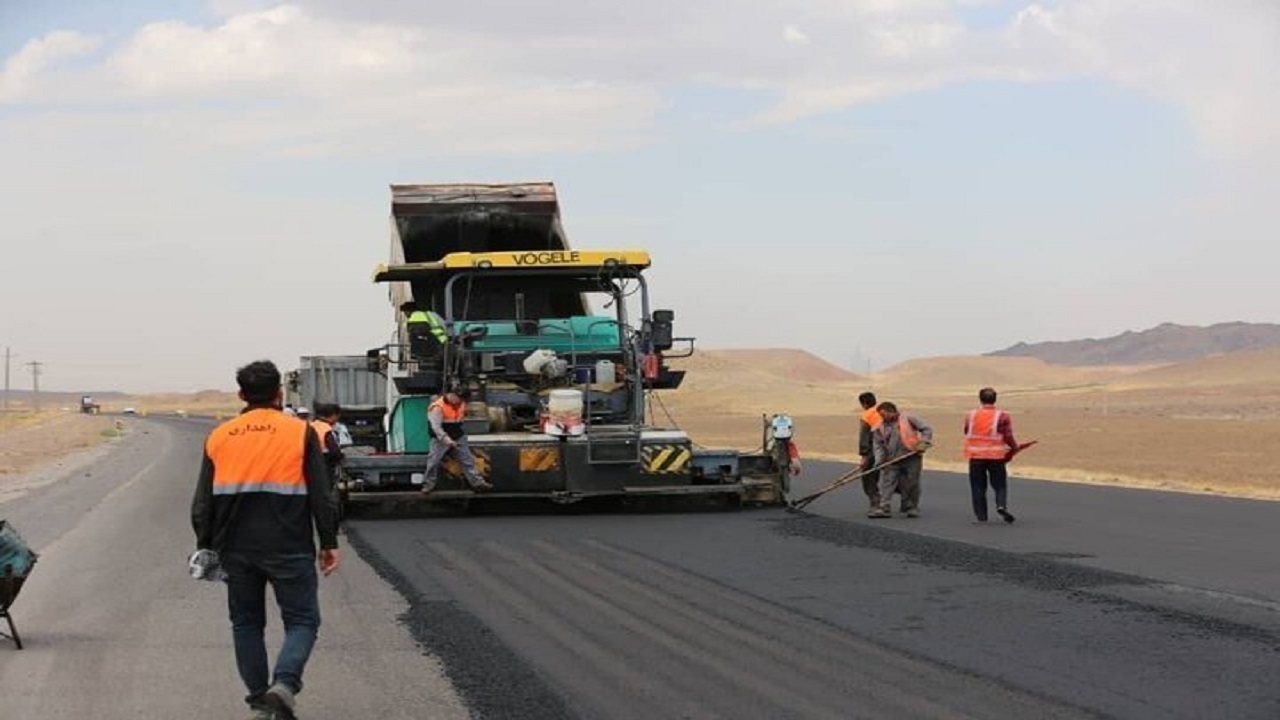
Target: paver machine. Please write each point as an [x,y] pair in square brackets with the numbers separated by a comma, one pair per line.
[558,352]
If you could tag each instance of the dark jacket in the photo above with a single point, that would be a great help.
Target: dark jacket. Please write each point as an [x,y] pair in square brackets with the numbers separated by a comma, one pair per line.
[266,522]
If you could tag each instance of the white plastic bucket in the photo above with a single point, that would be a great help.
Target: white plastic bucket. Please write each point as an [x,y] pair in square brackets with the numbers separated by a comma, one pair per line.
[564,413]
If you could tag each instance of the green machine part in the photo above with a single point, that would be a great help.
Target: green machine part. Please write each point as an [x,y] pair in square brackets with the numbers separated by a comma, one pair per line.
[581,333]
[410,429]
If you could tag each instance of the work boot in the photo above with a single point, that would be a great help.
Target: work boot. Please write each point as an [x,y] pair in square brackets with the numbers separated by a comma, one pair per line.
[913,512]
[280,699]
[1004,513]
[482,486]
[428,487]
[262,714]
[879,512]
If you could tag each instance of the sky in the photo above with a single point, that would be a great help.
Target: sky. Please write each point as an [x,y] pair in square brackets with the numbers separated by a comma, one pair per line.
[187,185]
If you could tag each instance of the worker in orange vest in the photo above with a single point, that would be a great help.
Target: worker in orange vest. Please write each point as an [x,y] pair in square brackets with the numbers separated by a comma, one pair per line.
[868,422]
[988,444]
[901,439]
[445,416]
[327,415]
[264,493]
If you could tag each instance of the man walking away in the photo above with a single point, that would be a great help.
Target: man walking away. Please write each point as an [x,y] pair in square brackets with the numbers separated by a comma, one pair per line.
[900,436]
[989,443]
[868,423]
[448,435]
[264,489]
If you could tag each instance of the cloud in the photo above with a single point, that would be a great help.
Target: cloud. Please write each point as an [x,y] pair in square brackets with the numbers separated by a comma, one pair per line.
[1219,61]
[38,56]
[323,75]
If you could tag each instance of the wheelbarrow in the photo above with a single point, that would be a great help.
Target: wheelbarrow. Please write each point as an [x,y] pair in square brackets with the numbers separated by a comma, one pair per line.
[16,561]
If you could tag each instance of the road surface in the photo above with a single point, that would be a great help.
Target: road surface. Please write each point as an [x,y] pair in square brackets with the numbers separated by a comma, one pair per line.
[1097,603]
[114,628]
[1077,610]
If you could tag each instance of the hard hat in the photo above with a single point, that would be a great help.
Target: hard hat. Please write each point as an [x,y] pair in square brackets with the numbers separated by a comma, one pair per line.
[303,411]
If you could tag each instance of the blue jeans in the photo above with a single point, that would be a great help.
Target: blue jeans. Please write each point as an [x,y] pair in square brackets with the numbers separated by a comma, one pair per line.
[292,577]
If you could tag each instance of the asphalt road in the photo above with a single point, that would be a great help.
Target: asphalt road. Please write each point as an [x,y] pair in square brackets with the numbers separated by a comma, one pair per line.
[1096,603]
[1076,610]
[114,628]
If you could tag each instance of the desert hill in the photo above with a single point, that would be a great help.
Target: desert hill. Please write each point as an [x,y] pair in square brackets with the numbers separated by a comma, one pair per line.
[1257,368]
[966,374]
[762,380]
[1162,344]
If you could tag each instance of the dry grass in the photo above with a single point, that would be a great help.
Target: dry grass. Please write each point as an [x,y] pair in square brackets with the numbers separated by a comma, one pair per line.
[32,439]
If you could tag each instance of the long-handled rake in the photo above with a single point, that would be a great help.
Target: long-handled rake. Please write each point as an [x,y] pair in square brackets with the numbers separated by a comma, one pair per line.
[852,475]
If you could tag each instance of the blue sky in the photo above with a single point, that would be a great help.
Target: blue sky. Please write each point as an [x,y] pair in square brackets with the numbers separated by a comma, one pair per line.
[872,180]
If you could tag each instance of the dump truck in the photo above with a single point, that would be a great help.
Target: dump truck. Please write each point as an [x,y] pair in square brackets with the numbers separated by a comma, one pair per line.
[88,406]
[559,351]
[347,381]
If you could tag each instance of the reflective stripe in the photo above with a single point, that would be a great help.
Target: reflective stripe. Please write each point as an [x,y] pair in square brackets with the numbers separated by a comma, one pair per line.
[274,488]
[982,441]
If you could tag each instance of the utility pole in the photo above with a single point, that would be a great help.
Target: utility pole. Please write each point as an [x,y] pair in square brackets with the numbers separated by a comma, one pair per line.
[35,380]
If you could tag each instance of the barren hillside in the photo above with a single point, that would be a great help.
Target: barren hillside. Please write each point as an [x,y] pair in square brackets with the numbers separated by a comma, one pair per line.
[1255,368]
[765,380]
[1162,344]
[965,374]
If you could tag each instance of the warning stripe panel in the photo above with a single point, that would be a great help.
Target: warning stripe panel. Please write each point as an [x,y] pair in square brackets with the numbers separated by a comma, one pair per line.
[539,459]
[663,459]
[451,467]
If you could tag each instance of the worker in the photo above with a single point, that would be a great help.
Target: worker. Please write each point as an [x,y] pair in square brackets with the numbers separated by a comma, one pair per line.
[902,439]
[868,422]
[303,414]
[989,444]
[264,490]
[327,416]
[427,333]
[288,410]
[794,465]
[448,435]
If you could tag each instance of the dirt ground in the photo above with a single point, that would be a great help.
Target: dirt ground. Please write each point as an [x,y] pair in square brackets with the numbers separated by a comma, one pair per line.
[1197,440]
[34,447]
[28,440]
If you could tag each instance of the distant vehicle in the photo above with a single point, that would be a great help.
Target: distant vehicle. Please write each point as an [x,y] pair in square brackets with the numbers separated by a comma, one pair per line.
[88,406]
[180,413]
[129,411]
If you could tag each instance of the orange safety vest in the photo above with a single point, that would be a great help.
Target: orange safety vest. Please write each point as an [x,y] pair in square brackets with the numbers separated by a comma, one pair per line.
[322,429]
[910,438]
[872,418]
[259,451]
[982,441]
[452,414]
